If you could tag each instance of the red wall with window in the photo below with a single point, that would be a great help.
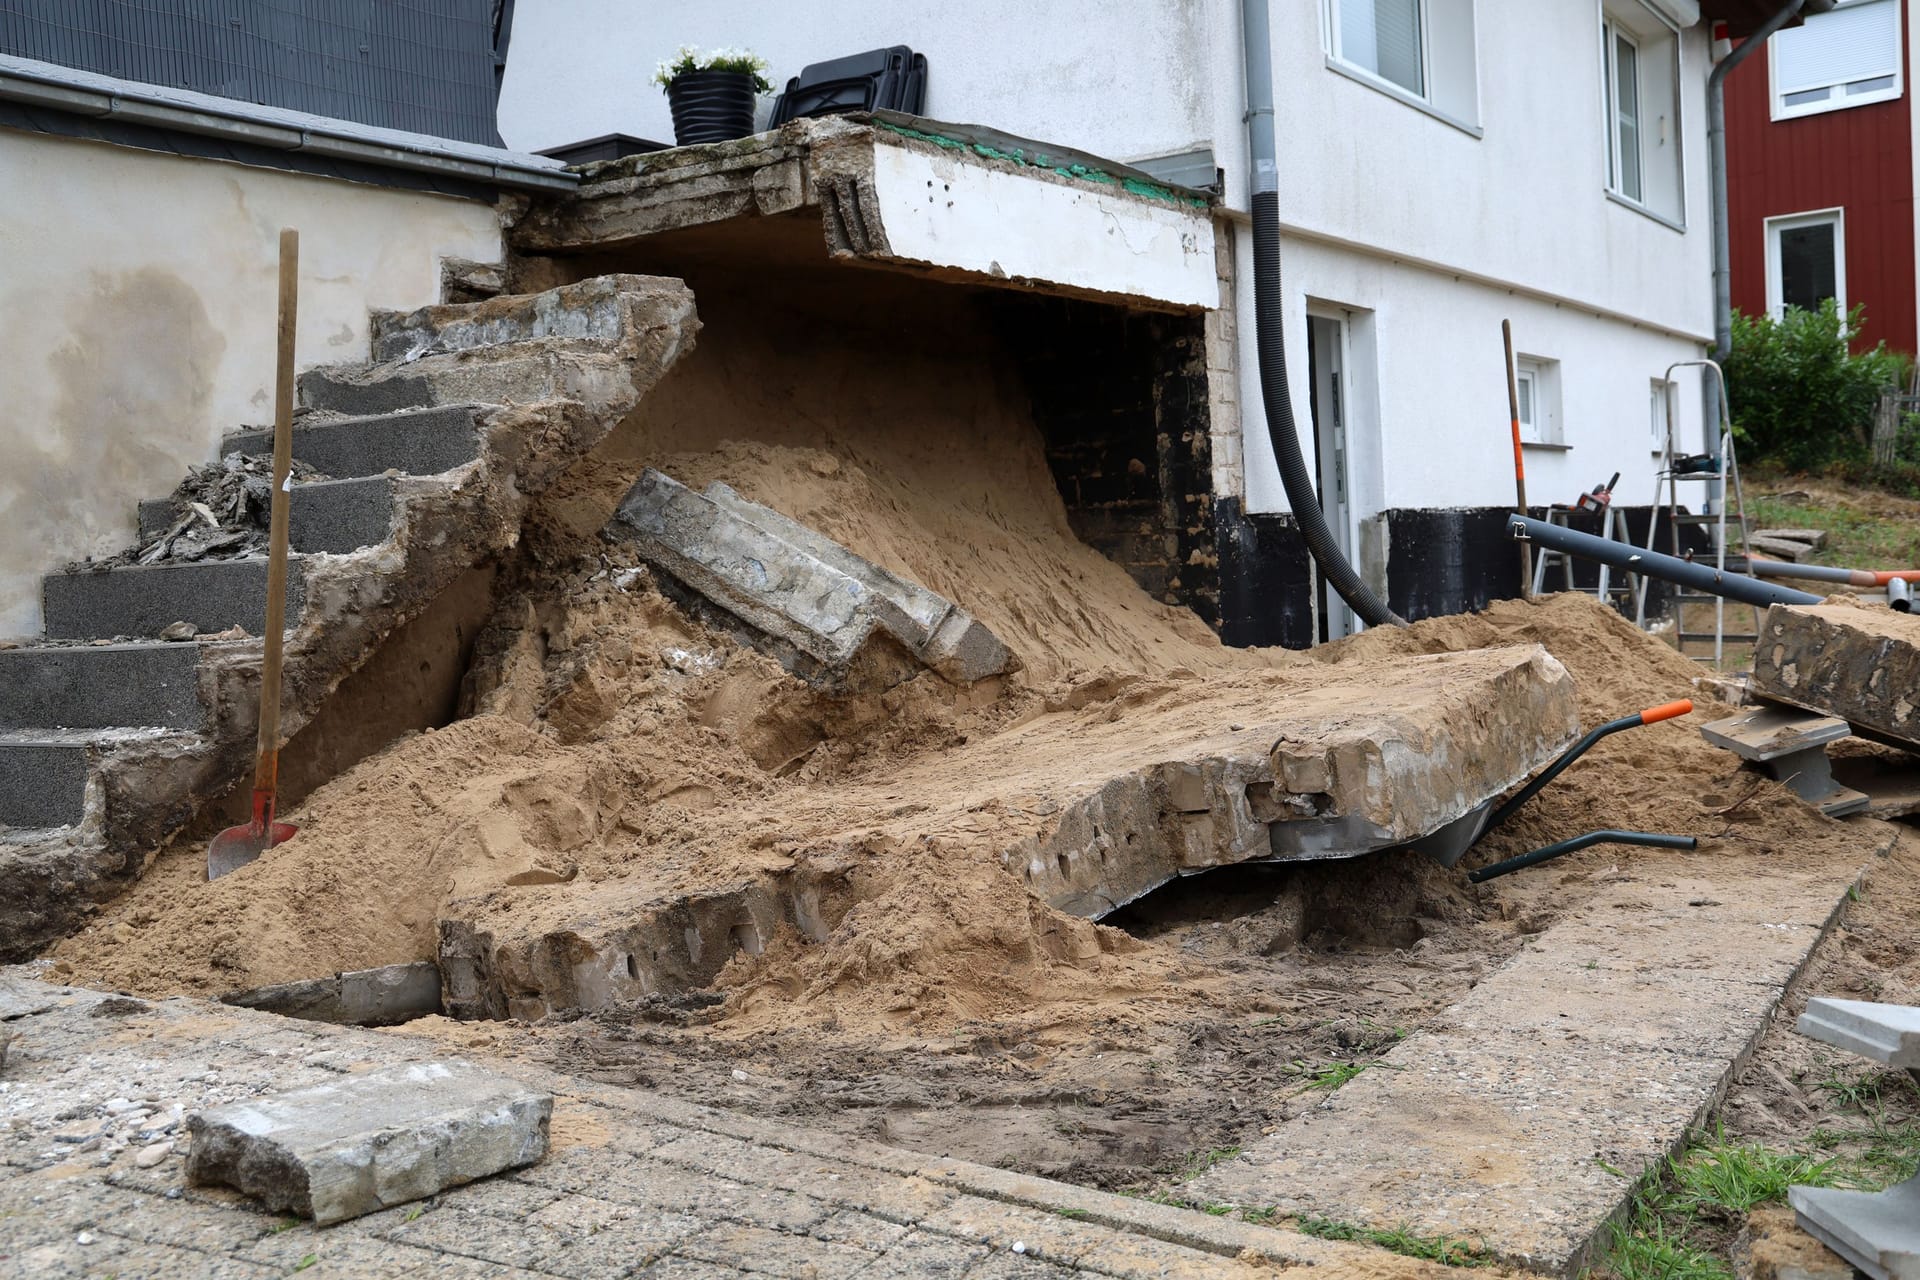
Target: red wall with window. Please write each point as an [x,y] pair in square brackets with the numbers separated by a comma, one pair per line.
[1856,158]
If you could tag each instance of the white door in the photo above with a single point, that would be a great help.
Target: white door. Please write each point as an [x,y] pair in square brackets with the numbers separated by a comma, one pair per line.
[1327,358]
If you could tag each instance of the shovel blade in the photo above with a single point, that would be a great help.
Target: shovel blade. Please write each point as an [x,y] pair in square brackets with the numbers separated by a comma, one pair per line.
[237,846]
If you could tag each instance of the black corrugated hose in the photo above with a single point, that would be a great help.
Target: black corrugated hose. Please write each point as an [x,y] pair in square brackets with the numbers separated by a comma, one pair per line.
[1274,394]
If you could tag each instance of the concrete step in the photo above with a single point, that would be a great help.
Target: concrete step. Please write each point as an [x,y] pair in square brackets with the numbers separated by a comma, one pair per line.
[331,515]
[141,600]
[43,779]
[100,686]
[421,442]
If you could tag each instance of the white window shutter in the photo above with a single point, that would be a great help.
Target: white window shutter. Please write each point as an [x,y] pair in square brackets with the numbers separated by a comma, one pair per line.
[1854,42]
[1384,37]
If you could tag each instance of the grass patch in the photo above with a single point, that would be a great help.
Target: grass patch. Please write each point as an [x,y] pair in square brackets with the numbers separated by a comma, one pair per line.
[1860,535]
[1647,1248]
[1445,1250]
[1198,1162]
[1734,1179]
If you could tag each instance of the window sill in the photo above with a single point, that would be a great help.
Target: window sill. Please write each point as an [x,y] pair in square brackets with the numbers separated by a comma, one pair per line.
[1362,76]
[1645,212]
[1778,112]
[1547,446]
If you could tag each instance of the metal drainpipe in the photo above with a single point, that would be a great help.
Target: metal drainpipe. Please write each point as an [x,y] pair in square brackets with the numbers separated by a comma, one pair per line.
[1717,196]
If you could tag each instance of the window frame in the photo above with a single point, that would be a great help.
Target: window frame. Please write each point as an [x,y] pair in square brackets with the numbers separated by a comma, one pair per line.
[1771,229]
[1613,36]
[1673,98]
[1777,107]
[1540,376]
[1337,62]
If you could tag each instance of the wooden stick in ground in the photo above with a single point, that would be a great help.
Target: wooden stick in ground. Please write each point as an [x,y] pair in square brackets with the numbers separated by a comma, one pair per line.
[1519,465]
[267,763]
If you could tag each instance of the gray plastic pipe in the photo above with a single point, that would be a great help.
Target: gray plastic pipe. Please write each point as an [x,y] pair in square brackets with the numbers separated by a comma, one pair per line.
[1622,555]
[1900,594]
[1257,36]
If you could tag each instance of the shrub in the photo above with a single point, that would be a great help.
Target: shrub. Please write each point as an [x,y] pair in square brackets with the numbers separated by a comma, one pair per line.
[1798,396]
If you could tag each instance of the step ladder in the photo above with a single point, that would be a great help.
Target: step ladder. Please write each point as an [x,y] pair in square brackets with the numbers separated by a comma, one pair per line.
[1726,524]
[1613,527]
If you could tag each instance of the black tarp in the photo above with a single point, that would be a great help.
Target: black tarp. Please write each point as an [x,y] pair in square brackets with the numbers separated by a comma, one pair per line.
[426,66]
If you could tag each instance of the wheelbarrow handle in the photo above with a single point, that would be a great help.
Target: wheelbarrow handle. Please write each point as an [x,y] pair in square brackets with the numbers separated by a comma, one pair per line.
[1666,711]
[1652,715]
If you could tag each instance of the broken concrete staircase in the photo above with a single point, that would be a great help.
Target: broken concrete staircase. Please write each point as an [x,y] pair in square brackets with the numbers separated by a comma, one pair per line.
[110,738]
[1086,806]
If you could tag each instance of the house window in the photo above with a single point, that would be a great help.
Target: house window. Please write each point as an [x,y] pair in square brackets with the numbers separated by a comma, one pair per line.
[1421,51]
[1806,261]
[1640,105]
[1537,382]
[1847,57]
[1658,400]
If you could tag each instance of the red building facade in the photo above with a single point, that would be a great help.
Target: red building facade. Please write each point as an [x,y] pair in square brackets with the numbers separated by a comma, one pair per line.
[1820,170]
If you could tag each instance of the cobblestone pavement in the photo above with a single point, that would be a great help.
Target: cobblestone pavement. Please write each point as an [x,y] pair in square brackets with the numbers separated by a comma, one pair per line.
[95,1088]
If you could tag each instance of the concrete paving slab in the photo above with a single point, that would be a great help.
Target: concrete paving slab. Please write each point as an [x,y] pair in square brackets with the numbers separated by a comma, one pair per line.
[1886,1033]
[1860,664]
[1525,1118]
[340,1149]
[1878,1232]
[595,1207]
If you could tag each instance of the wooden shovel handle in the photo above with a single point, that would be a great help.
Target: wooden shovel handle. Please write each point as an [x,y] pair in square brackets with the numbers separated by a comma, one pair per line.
[266,766]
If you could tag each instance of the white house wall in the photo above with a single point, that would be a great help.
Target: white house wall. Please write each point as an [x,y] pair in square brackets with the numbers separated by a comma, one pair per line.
[1438,232]
[137,323]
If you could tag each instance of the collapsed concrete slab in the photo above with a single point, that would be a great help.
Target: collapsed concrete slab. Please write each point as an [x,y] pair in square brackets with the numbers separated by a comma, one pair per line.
[825,612]
[1860,664]
[1089,806]
[382,997]
[338,1150]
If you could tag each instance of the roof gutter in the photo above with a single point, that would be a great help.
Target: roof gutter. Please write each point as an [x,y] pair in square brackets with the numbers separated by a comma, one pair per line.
[58,88]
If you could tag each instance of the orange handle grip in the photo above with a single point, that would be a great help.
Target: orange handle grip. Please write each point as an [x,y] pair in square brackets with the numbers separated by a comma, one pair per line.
[1666,711]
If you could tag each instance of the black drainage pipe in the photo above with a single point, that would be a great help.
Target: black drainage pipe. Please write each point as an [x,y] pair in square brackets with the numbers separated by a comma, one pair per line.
[1548,852]
[1621,555]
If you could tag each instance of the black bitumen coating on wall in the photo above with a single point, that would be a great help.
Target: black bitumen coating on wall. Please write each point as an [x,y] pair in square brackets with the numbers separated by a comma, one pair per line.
[425,66]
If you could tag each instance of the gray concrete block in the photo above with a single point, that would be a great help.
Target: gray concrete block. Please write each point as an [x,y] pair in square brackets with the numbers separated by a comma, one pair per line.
[382,997]
[140,600]
[367,1142]
[421,442]
[340,515]
[1878,1232]
[100,686]
[1888,1033]
[803,590]
[43,780]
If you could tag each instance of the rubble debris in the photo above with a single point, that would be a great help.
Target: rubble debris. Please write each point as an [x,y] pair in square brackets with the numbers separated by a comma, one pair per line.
[1771,1246]
[822,610]
[366,1142]
[220,512]
[383,997]
[1853,661]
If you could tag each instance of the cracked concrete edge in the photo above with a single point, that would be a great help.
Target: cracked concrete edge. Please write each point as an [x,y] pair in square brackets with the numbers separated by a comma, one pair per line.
[144,792]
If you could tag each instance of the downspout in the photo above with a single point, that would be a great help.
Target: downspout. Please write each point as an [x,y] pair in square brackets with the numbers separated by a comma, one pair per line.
[1264,174]
[1717,196]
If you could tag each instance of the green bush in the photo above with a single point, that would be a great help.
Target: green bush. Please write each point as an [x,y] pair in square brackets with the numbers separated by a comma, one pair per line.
[1798,396]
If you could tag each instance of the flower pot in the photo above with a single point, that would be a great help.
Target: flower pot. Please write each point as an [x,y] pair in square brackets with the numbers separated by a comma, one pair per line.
[711,106]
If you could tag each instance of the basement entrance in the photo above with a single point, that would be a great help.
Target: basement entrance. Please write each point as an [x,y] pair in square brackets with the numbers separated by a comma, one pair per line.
[1327,395]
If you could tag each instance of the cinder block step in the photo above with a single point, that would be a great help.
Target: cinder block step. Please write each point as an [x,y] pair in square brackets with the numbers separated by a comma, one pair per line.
[331,515]
[421,442]
[142,600]
[100,687]
[43,779]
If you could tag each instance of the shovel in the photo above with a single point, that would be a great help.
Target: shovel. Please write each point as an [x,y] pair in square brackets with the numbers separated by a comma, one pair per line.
[237,846]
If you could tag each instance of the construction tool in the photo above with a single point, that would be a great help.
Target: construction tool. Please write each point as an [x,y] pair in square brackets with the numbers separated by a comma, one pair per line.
[1519,464]
[1601,497]
[237,846]
[1546,853]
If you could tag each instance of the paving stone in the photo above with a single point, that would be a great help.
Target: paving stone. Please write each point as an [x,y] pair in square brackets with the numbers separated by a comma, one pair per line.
[777,1253]
[1887,1033]
[1860,664]
[1001,1226]
[366,1142]
[1878,1232]
[614,1251]
[686,1269]
[861,1230]
[1018,1266]
[924,1255]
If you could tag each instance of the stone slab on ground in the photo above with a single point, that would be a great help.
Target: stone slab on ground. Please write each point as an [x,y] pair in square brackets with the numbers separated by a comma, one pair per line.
[1088,807]
[1810,538]
[1859,663]
[1886,1033]
[353,1146]
[1878,1232]
[1525,1115]
[812,598]
[635,1184]
[385,996]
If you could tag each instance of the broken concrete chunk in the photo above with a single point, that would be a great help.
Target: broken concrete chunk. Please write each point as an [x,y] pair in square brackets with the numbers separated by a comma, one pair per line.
[382,997]
[1878,1232]
[824,611]
[1886,1033]
[368,1142]
[1862,665]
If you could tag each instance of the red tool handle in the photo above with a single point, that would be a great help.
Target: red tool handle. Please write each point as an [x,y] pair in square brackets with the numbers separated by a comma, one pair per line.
[1666,711]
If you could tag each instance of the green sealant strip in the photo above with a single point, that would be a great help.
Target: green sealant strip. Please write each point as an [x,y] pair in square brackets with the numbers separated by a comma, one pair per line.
[1019,156]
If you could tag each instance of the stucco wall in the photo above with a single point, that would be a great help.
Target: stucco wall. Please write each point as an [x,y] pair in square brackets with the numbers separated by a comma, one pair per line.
[1440,233]
[137,323]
